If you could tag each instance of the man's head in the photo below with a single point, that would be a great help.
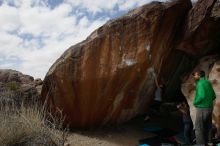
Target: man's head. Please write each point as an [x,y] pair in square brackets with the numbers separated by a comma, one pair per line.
[198,74]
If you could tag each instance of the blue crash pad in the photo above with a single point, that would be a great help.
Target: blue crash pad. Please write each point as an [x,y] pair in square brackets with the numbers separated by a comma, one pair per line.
[144,145]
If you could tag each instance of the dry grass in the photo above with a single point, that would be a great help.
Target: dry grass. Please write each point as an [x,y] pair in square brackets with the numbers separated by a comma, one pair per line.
[29,126]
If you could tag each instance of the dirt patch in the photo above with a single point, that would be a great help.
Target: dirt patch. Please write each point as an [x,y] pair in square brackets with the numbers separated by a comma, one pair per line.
[127,134]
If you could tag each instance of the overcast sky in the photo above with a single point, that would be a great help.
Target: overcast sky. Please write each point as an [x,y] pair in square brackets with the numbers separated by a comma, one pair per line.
[34,33]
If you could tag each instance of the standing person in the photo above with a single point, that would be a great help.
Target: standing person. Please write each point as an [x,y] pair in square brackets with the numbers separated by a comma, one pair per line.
[158,94]
[183,107]
[155,106]
[203,101]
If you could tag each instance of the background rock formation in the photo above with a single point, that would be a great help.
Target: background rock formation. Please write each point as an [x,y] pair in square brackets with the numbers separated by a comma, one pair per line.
[18,87]
[108,77]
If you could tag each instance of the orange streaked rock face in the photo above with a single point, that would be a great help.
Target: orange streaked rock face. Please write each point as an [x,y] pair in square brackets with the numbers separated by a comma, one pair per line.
[108,77]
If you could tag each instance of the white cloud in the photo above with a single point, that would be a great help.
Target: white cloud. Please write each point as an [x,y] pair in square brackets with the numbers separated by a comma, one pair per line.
[33,35]
[8,20]
[57,29]
[41,21]
[93,6]
[26,3]
[108,5]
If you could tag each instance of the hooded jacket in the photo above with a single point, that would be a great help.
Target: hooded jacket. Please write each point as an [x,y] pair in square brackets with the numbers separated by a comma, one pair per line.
[204,94]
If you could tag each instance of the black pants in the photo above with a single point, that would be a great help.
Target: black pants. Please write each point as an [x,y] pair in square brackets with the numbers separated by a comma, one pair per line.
[188,132]
[203,126]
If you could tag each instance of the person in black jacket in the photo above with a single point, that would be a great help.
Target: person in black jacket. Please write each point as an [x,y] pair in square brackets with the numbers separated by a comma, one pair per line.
[183,107]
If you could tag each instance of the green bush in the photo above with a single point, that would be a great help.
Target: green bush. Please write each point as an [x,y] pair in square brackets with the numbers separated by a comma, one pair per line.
[13,86]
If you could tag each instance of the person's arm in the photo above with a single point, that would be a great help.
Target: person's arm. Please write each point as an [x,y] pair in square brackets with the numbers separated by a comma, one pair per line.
[156,82]
[155,79]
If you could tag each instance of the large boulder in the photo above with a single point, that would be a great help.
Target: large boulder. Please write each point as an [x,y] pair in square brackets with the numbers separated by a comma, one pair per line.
[15,86]
[108,77]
